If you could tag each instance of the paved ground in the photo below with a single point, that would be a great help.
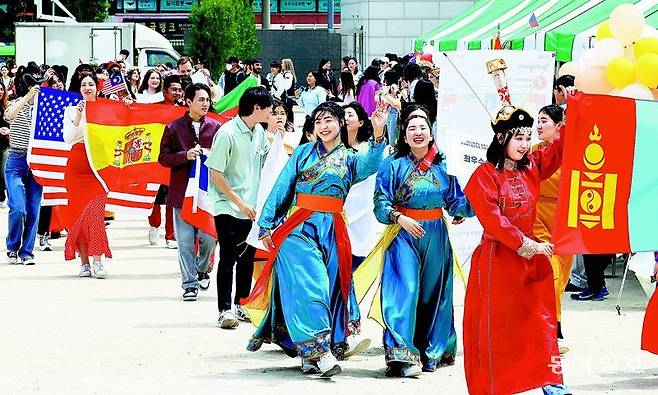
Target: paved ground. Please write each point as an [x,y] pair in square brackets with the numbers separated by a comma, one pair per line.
[132,334]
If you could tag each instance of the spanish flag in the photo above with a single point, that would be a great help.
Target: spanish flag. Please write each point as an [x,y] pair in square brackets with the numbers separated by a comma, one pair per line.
[123,144]
[609,182]
[228,105]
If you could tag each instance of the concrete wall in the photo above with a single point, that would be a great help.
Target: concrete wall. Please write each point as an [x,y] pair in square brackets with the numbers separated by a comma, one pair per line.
[304,47]
[391,25]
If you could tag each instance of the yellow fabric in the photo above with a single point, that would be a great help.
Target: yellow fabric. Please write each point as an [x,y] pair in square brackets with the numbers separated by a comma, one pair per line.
[543,228]
[369,272]
[109,145]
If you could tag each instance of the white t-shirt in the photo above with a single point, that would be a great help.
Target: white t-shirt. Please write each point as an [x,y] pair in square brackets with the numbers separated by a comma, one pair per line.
[197,126]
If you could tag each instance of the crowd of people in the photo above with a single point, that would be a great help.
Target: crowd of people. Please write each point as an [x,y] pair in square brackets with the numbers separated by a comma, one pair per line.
[376,124]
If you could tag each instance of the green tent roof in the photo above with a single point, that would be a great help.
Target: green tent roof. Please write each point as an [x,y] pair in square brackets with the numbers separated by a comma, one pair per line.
[560,40]
[8,50]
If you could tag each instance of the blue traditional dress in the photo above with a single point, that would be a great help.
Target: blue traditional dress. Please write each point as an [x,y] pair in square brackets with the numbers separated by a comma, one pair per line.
[298,302]
[415,305]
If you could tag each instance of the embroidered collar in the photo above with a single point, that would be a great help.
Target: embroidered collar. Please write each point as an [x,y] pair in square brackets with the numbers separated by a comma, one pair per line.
[322,150]
[509,164]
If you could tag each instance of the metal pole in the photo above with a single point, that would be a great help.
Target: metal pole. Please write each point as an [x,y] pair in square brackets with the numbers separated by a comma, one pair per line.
[265,13]
[330,14]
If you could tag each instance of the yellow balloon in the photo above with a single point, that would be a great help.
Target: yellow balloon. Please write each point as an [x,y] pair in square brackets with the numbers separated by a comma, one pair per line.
[620,72]
[646,69]
[645,45]
[603,31]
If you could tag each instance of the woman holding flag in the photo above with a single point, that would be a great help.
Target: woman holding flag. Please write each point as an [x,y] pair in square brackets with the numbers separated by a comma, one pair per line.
[84,214]
[414,254]
[302,304]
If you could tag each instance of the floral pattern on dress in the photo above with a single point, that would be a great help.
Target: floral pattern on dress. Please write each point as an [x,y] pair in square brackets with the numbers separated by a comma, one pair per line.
[402,355]
[315,347]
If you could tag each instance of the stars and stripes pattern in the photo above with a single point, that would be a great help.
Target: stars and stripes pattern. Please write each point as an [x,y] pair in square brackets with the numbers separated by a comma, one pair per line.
[115,84]
[48,153]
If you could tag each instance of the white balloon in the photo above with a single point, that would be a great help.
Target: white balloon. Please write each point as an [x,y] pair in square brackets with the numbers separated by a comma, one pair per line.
[649,31]
[637,91]
[606,50]
[615,92]
[588,58]
[627,23]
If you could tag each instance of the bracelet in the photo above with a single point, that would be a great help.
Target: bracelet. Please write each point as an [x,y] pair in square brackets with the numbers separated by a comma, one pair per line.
[394,216]
[528,248]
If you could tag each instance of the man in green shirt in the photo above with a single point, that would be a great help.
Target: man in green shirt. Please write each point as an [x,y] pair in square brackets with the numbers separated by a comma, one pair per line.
[235,164]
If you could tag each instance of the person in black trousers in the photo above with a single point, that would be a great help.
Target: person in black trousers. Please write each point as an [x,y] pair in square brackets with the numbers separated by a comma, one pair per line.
[595,266]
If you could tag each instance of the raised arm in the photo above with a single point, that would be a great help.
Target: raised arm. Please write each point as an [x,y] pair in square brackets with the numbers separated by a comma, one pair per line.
[549,158]
[384,193]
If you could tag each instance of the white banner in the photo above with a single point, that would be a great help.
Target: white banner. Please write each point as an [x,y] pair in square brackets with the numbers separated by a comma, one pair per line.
[464,114]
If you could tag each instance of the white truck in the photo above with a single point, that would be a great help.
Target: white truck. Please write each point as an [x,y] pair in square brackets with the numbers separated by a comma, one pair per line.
[69,43]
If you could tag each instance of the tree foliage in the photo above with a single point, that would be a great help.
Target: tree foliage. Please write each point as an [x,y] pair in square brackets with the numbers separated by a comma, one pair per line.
[88,10]
[222,28]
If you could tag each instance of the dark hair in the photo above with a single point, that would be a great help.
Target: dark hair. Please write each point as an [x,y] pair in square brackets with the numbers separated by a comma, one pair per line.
[74,85]
[555,113]
[365,130]
[3,100]
[232,59]
[391,77]
[323,61]
[336,111]
[51,81]
[346,83]
[346,60]
[371,73]
[276,64]
[407,109]
[256,60]
[317,76]
[192,89]
[402,147]
[496,152]
[251,97]
[566,81]
[391,57]
[376,62]
[289,114]
[424,94]
[124,52]
[184,59]
[306,129]
[412,72]
[145,82]
[169,80]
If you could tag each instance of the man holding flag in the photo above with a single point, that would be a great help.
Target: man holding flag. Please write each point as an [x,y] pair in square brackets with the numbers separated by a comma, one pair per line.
[182,143]
[235,165]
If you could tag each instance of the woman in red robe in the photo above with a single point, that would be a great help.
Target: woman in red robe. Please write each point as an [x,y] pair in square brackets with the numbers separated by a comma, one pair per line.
[509,314]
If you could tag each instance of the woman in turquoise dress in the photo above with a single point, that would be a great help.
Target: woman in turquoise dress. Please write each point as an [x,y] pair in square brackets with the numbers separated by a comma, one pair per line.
[300,301]
[414,303]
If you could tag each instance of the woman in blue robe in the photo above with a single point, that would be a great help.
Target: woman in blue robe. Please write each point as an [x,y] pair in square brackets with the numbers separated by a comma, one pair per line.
[414,255]
[300,301]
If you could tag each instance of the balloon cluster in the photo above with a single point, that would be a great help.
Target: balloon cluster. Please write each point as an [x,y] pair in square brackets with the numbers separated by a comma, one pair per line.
[624,61]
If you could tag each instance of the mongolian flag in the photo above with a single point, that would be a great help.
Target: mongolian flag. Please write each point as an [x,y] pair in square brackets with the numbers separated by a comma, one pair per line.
[650,327]
[609,182]
[228,105]
[123,144]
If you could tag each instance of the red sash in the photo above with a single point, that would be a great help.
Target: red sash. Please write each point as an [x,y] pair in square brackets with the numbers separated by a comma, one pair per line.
[650,329]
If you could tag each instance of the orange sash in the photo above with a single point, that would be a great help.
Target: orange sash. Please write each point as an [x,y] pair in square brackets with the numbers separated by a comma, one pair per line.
[421,215]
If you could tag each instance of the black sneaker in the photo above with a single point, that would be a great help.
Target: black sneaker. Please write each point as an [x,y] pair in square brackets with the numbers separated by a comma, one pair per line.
[572,288]
[12,257]
[204,281]
[190,294]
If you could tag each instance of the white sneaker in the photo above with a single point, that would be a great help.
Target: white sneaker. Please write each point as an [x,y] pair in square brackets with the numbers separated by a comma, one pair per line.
[328,365]
[44,244]
[3,204]
[310,367]
[99,270]
[562,346]
[85,271]
[241,313]
[356,344]
[171,244]
[153,235]
[410,370]
[227,320]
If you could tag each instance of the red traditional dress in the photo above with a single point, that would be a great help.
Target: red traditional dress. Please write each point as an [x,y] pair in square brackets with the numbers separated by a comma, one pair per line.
[650,329]
[85,212]
[510,325]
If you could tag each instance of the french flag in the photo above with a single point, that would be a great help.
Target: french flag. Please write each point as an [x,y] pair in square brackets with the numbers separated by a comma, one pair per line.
[196,205]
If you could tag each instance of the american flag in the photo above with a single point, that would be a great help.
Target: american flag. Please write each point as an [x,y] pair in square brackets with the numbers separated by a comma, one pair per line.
[115,84]
[48,153]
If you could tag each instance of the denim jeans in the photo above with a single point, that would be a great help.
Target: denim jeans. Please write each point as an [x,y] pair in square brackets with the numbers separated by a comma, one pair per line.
[24,201]
[578,276]
[392,126]
[192,261]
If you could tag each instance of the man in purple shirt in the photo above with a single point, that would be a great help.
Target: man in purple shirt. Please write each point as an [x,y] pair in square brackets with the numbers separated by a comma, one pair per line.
[182,143]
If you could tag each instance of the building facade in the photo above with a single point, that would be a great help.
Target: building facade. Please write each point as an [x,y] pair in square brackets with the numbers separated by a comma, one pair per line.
[371,28]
